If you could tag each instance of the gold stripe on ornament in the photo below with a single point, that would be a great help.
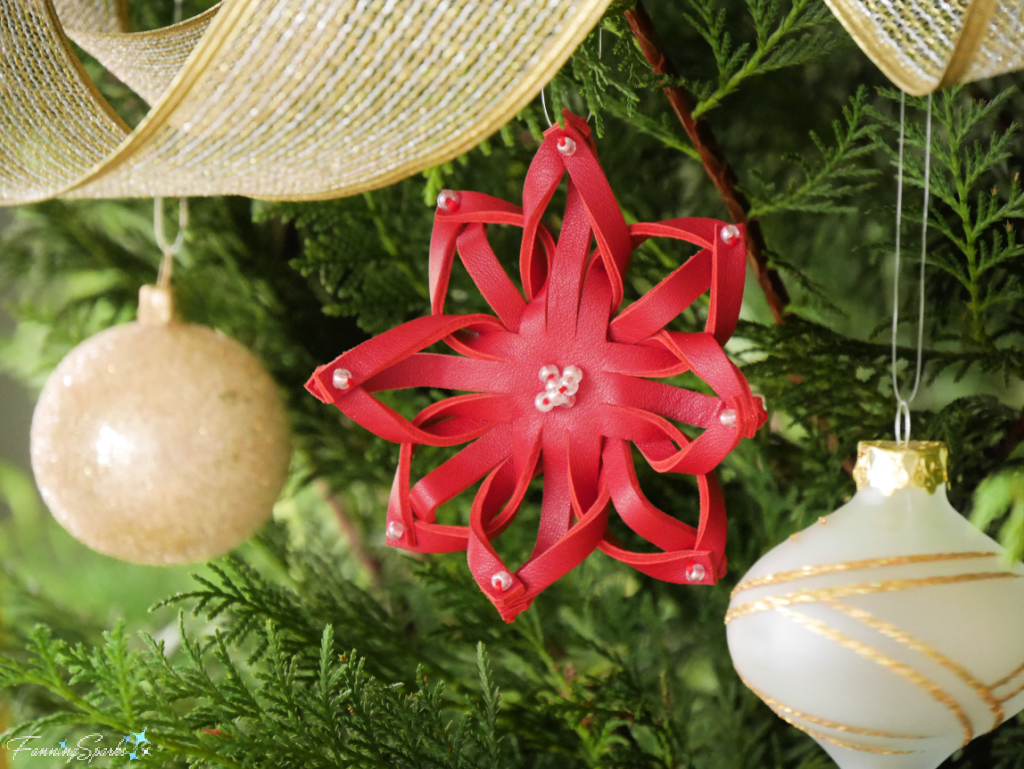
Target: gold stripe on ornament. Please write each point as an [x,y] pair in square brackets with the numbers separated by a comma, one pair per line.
[868,588]
[1004,681]
[1019,690]
[898,635]
[874,655]
[778,706]
[871,563]
[841,743]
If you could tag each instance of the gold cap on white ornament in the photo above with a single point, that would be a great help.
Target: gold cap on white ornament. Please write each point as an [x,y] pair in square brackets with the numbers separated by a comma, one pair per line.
[889,466]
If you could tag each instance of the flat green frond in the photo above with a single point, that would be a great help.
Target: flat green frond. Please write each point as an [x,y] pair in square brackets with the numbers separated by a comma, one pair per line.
[838,175]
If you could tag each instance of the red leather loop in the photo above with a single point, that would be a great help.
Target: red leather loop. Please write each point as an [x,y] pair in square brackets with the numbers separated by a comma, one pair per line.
[570,316]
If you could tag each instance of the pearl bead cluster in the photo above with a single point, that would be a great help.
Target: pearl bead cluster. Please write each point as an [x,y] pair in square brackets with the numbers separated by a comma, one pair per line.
[559,387]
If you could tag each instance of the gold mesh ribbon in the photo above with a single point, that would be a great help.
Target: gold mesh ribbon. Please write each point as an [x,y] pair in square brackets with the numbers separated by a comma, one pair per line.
[272,99]
[922,45]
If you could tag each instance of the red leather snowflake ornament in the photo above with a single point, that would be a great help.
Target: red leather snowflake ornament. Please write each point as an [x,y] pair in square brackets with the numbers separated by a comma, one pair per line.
[559,382]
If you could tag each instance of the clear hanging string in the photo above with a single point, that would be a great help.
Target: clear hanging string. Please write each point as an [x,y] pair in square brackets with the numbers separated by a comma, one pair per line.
[902,423]
[169,250]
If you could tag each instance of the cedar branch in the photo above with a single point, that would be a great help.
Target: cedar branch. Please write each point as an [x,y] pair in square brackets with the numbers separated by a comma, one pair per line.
[712,157]
[355,540]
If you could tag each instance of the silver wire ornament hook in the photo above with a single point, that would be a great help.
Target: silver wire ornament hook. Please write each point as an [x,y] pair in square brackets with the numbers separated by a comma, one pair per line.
[902,426]
[168,249]
[544,104]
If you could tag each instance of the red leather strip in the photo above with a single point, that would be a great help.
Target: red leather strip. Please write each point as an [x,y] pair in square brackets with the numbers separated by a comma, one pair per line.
[549,567]
[613,238]
[653,311]
[673,402]
[542,180]
[650,359]
[566,280]
[556,506]
[633,506]
[448,372]
[708,551]
[460,472]
[490,277]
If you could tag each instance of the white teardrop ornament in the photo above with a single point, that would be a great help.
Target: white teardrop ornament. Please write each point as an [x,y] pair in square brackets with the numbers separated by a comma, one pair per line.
[890,631]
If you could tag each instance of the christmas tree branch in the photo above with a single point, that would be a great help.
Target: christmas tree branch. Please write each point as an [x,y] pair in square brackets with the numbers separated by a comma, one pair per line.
[355,540]
[711,155]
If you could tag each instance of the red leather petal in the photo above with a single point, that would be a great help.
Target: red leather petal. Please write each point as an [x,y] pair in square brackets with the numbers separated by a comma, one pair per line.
[460,472]
[565,282]
[610,230]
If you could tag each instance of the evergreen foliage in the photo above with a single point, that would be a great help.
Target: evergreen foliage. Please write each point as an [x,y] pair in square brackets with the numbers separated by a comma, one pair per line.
[310,648]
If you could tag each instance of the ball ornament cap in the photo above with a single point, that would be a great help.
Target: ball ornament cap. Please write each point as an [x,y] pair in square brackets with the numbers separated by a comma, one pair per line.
[160,442]
[889,466]
[890,631]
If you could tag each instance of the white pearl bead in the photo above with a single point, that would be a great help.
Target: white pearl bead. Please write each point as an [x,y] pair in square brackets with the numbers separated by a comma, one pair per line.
[544,402]
[573,373]
[551,387]
[568,386]
[502,581]
[729,234]
[695,573]
[728,417]
[566,146]
[341,378]
[395,530]
[569,401]
[548,373]
[448,200]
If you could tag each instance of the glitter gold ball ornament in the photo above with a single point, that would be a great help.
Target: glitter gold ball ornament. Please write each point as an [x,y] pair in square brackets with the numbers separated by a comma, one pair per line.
[160,442]
[890,631]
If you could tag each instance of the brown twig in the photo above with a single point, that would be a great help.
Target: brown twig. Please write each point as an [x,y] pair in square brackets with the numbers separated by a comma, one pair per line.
[355,540]
[713,158]
[1009,442]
